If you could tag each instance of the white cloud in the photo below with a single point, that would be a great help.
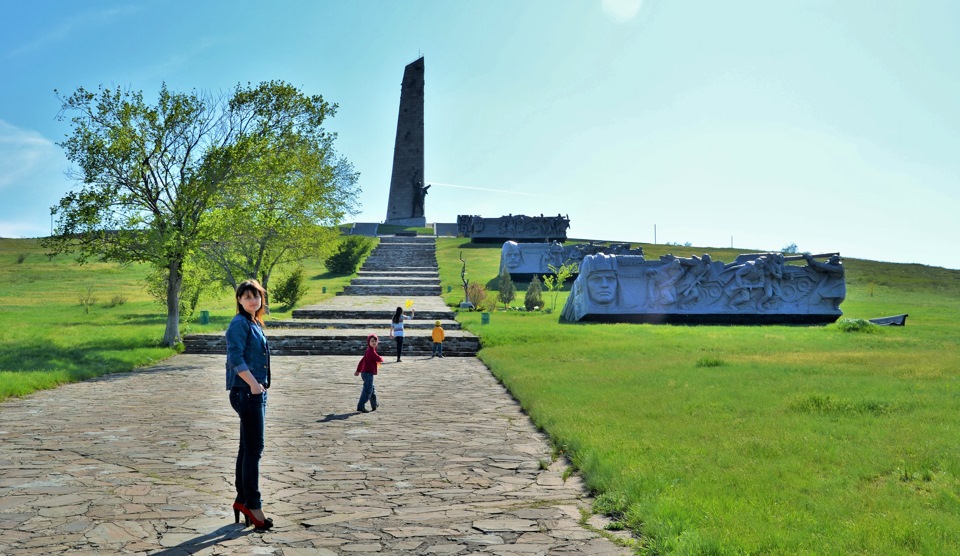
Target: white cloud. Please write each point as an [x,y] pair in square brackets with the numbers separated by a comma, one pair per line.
[621,10]
[31,181]
[24,152]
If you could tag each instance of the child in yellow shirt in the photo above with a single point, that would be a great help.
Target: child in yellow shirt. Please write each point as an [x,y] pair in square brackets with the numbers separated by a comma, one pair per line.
[438,336]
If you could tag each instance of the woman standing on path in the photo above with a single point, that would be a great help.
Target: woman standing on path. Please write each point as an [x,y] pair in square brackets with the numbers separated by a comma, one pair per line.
[396,328]
[248,377]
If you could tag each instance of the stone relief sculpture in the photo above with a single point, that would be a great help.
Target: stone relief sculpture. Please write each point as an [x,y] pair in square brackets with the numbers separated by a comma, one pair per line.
[755,289]
[523,260]
[513,227]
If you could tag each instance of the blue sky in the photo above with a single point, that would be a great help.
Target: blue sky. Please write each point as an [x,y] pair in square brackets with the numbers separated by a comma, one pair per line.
[832,124]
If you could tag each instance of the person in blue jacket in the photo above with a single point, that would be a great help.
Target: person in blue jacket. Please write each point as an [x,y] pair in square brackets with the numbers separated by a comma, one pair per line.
[248,377]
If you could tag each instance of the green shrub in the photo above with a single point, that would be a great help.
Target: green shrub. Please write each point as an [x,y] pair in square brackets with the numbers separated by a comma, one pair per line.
[508,291]
[856,325]
[87,299]
[534,297]
[22,257]
[709,362]
[291,289]
[350,252]
[115,301]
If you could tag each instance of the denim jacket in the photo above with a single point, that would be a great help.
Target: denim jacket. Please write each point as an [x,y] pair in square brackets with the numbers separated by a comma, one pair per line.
[247,350]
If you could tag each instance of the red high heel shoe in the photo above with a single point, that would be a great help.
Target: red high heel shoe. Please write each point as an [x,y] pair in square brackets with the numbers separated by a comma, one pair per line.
[249,518]
[237,510]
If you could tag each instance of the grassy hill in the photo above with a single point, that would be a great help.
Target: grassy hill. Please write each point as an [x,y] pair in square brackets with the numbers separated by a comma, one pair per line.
[701,439]
[751,440]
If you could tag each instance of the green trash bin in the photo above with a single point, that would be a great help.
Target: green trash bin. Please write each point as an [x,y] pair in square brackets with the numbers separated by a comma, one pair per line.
[484,318]
[204,317]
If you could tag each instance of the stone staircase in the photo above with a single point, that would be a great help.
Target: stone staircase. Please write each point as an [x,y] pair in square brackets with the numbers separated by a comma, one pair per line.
[399,269]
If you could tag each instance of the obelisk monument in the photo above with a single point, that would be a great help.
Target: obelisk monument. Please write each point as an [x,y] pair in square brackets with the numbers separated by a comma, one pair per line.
[405,206]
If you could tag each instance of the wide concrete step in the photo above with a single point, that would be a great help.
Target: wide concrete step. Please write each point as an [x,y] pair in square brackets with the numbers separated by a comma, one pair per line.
[378,315]
[408,239]
[398,274]
[410,290]
[377,267]
[354,324]
[395,281]
[398,263]
[457,343]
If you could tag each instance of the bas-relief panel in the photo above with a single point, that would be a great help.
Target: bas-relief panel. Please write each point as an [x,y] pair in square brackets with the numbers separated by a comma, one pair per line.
[537,258]
[760,288]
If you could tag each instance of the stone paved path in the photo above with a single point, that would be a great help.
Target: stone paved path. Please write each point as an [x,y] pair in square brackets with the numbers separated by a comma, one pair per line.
[141,463]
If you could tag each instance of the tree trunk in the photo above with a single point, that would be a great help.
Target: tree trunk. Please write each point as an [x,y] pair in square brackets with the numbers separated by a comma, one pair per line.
[175,278]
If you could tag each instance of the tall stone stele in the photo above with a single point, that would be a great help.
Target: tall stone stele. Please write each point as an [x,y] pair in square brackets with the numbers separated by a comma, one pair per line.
[408,191]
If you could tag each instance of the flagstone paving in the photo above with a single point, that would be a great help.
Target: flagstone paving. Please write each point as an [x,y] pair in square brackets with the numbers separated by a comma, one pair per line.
[142,463]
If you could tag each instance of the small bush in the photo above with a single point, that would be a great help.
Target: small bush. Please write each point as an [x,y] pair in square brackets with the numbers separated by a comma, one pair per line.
[350,252]
[291,289]
[709,362]
[87,299]
[533,300]
[115,301]
[856,325]
[22,257]
[476,294]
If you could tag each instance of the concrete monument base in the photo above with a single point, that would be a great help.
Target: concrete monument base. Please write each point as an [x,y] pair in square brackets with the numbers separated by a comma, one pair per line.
[419,222]
[746,319]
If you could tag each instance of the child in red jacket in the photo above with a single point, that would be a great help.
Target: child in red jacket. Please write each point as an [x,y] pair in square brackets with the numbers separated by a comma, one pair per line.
[367,369]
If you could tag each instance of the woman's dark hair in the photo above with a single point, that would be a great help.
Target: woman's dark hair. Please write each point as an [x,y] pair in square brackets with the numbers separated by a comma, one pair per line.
[398,316]
[252,286]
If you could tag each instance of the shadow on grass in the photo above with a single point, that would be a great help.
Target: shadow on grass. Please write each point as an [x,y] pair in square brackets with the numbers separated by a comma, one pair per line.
[92,358]
[146,320]
[328,275]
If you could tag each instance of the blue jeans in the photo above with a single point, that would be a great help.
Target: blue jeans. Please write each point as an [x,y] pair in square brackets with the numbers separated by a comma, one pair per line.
[438,348]
[369,392]
[252,410]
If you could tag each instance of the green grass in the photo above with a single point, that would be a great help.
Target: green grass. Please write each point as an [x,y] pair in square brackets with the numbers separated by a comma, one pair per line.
[839,439]
[756,440]
[48,338]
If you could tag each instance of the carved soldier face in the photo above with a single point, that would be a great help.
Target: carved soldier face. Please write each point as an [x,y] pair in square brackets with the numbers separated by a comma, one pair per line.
[511,256]
[602,286]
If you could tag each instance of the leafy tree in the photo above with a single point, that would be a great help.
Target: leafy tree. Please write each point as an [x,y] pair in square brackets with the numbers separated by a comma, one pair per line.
[285,206]
[291,289]
[349,253]
[555,282]
[152,174]
[534,296]
[196,281]
[507,290]
[790,249]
